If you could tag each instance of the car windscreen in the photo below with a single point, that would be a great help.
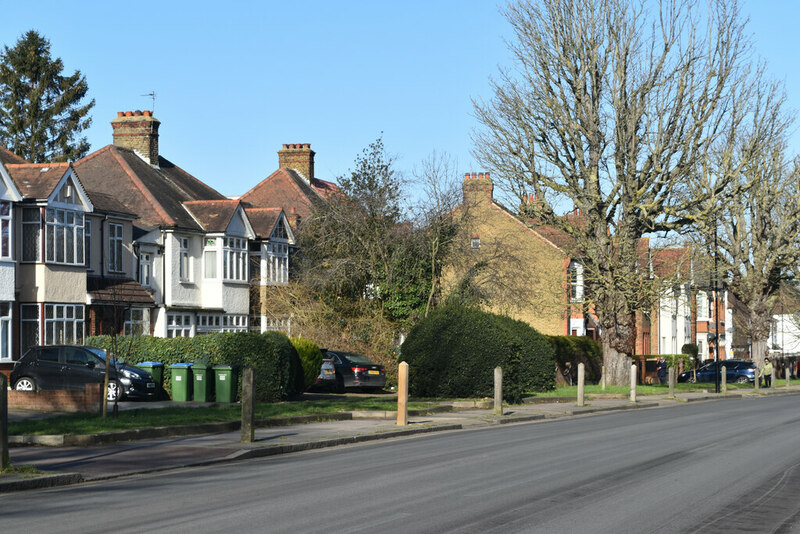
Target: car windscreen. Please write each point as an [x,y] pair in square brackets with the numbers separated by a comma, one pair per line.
[357,358]
[100,353]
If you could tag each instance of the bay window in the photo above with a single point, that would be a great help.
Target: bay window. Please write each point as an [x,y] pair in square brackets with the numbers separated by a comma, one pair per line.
[64,239]
[234,265]
[63,324]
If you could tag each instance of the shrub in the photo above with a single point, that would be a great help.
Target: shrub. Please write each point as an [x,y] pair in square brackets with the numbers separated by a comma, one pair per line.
[310,358]
[453,351]
[573,350]
[276,364]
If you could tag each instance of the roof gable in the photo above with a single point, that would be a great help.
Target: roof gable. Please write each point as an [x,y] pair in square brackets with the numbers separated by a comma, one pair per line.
[220,216]
[8,189]
[56,183]
[270,223]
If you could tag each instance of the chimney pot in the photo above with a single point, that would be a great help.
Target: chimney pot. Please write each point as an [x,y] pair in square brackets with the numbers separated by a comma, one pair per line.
[487,176]
[120,113]
[474,175]
[146,112]
[466,176]
[129,113]
[137,113]
[480,176]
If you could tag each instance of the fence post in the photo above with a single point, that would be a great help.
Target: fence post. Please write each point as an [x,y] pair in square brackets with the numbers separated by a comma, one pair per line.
[772,381]
[603,378]
[498,391]
[723,379]
[788,374]
[633,383]
[248,406]
[671,379]
[581,372]
[5,461]
[402,394]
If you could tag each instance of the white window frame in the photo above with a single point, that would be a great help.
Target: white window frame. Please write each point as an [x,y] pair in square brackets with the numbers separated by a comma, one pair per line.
[575,279]
[33,227]
[179,324]
[5,331]
[137,322]
[234,259]
[185,265]
[61,227]
[277,263]
[63,324]
[87,246]
[115,247]
[29,318]
[145,269]
[210,265]
[6,231]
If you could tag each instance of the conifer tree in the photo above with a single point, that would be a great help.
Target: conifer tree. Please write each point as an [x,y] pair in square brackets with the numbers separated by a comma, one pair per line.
[41,115]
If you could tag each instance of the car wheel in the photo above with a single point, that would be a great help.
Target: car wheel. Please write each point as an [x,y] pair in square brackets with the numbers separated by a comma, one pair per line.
[339,387]
[742,380]
[113,390]
[25,384]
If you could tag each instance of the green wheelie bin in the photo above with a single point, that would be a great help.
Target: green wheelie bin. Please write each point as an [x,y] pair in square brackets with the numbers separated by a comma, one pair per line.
[225,383]
[181,381]
[203,390]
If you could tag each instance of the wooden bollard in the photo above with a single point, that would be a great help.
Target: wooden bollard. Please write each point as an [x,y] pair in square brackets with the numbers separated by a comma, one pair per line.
[723,379]
[402,394]
[772,382]
[671,374]
[498,391]
[581,372]
[248,405]
[633,383]
[603,378]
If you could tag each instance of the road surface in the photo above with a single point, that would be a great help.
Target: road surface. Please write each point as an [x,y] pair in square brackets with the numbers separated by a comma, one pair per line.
[726,466]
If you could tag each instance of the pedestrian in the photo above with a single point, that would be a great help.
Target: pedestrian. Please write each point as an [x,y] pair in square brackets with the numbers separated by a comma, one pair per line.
[661,369]
[766,373]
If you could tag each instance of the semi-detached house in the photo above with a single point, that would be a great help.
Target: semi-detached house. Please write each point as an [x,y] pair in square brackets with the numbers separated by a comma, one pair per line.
[191,244]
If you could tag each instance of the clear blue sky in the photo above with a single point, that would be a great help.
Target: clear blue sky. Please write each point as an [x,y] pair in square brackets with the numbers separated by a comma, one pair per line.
[235,80]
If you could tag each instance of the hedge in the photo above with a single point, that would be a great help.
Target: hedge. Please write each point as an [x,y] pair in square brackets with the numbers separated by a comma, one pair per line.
[573,350]
[310,359]
[453,351]
[278,373]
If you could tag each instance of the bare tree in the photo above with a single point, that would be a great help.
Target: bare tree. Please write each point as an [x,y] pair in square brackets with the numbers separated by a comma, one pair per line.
[754,231]
[611,108]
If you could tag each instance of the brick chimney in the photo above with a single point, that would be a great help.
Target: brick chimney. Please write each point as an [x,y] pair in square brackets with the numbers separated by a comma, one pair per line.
[137,130]
[299,158]
[478,187]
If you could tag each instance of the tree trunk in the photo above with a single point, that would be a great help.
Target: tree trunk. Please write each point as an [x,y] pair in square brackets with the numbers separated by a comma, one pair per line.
[617,364]
[760,351]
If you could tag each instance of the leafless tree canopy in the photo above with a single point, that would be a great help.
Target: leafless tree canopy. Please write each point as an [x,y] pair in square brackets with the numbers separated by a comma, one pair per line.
[611,106]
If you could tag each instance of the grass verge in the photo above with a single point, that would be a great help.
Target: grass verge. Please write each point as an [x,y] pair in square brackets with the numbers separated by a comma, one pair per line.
[656,389]
[148,418]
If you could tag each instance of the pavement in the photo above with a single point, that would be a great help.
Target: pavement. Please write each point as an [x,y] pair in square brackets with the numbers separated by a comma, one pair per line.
[161,449]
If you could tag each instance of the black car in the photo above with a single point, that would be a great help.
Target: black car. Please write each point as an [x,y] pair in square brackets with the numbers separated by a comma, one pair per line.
[351,370]
[136,382]
[739,371]
[72,367]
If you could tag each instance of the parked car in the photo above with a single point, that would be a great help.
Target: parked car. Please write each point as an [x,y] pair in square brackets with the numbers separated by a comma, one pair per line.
[72,367]
[136,382]
[350,370]
[739,371]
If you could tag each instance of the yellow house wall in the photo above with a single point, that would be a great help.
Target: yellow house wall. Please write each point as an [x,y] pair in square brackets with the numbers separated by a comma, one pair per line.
[525,276]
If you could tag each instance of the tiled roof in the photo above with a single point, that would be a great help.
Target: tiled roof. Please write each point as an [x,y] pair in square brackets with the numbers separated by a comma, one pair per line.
[286,189]
[7,157]
[108,204]
[37,180]
[104,290]
[263,220]
[213,215]
[155,195]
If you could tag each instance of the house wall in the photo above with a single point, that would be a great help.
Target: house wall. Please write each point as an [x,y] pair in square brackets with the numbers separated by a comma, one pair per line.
[177,292]
[526,274]
[7,280]
[52,283]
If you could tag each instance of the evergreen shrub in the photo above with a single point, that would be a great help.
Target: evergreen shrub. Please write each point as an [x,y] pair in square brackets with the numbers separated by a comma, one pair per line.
[453,353]
[278,372]
[310,359]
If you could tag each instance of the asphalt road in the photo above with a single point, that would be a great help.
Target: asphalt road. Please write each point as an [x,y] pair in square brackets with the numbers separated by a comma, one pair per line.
[727,466]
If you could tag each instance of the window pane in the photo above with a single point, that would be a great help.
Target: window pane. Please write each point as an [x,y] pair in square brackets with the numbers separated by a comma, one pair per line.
[211,264]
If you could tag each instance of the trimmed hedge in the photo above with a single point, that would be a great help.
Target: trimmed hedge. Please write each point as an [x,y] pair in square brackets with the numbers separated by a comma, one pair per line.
[575,350]
[310,359]
[453,353]
[278,372]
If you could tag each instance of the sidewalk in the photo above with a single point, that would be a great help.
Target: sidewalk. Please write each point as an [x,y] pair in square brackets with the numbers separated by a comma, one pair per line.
[68,465]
